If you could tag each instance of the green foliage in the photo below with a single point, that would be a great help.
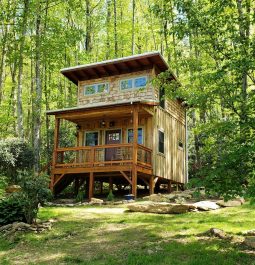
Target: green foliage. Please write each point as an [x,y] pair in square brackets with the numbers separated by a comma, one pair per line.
[3,185]
[110,196]
[80,196]
[11,210]
[35,191]
[15,154]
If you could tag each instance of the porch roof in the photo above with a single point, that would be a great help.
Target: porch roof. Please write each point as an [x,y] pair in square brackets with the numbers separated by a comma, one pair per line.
[117,66]
[102,111]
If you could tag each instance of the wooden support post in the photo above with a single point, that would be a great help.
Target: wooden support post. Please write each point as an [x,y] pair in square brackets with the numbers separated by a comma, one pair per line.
[169,186]
[110,184]
[151,185]
[91,185]
[134,181]
[135,149]
[76,185]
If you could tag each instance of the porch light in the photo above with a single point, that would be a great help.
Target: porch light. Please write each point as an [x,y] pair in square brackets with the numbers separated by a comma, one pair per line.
[102,123]
[78,127]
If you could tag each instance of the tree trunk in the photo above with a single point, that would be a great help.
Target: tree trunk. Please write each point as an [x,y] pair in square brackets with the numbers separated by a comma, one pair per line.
[133,27]
[38,91]
[115,30]
[20,128]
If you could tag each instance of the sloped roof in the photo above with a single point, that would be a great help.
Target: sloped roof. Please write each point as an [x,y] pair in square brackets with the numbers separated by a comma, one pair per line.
[122,65]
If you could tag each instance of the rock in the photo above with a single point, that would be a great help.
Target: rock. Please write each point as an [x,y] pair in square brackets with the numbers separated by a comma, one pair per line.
[245,233]
[160,207]
[95,201]
[206,205]
[13,188]
[156,198]
[250,241]
[231,203]
[218,233]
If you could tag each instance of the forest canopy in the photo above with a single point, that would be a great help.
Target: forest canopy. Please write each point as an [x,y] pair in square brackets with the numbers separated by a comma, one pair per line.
[209,45]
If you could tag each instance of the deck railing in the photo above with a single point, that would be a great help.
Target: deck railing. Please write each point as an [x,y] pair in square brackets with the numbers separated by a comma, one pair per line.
[102,155]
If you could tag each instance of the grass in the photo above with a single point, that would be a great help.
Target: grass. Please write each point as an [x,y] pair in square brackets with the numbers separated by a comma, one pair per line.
[109,235]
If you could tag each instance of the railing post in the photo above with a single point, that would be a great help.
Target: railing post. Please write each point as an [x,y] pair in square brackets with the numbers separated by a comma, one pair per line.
[135,146]
[92,155]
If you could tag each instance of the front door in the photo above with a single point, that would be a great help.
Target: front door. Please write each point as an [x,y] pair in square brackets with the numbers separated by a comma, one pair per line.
[112,137]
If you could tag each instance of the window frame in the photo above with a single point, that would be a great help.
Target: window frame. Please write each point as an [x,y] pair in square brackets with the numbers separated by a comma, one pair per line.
[159,151]
[133,83]
[130,128]
[96,85]
[85,137]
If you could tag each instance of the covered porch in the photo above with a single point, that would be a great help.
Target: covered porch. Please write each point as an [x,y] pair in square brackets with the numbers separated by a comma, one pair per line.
[114,145]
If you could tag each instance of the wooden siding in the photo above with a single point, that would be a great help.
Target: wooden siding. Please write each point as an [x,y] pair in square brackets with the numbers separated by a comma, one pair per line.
[115,94]
[171,164]
[123,124]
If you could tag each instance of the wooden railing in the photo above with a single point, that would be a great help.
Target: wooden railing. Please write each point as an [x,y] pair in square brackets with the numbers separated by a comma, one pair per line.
[144,156]
[101,155]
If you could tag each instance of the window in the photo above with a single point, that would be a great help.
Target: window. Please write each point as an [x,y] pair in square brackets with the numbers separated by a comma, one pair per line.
[91,138]
[140,136]
[96,88]
[162,97]
[133,83]
[161,142]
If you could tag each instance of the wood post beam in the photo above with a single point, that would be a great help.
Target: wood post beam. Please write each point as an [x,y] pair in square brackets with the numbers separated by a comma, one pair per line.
[91,185]
[151,185]
[169,186]
[126,177]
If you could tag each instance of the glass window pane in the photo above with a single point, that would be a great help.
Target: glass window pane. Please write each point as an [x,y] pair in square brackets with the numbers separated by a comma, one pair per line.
[126,84]
[140,82]
[89,90]
[161,141]
[140,136]
[91,138]
[102,88]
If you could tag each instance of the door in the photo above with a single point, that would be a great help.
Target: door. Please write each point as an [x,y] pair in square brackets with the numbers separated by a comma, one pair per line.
[112,137]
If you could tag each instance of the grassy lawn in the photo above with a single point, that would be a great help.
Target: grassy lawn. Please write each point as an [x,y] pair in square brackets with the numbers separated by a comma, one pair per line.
[105,235]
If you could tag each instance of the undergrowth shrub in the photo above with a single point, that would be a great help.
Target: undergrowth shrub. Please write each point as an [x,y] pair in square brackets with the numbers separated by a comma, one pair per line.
[110,196]
[11,210]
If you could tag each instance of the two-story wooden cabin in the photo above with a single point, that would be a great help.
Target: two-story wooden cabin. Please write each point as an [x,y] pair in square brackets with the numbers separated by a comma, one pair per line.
[127,132]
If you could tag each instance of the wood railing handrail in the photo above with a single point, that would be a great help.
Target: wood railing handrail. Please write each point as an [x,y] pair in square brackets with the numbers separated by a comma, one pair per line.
[144,148]
[77,148]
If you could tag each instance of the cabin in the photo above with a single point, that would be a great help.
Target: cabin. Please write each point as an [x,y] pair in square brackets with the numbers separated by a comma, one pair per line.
[127,133]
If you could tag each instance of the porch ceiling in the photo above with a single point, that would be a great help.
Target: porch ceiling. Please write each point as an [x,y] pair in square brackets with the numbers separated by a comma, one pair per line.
[81,115]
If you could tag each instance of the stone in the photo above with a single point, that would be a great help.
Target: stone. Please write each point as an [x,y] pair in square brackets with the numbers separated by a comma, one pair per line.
[250,241]
[246,233]
[13,188]
[156,198]
[160,207]
[230,203]
[95,201]
[218,233]
[206,205]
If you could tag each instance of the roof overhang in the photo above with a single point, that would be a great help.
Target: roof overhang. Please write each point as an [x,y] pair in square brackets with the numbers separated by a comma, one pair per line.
[114,110]
[118,66]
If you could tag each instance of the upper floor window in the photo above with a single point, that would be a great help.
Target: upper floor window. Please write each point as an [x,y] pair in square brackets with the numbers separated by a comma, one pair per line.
[133,83]
[96,88]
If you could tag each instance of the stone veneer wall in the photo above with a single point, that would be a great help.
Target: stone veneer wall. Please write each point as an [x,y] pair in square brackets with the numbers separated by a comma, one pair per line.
[115,94]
